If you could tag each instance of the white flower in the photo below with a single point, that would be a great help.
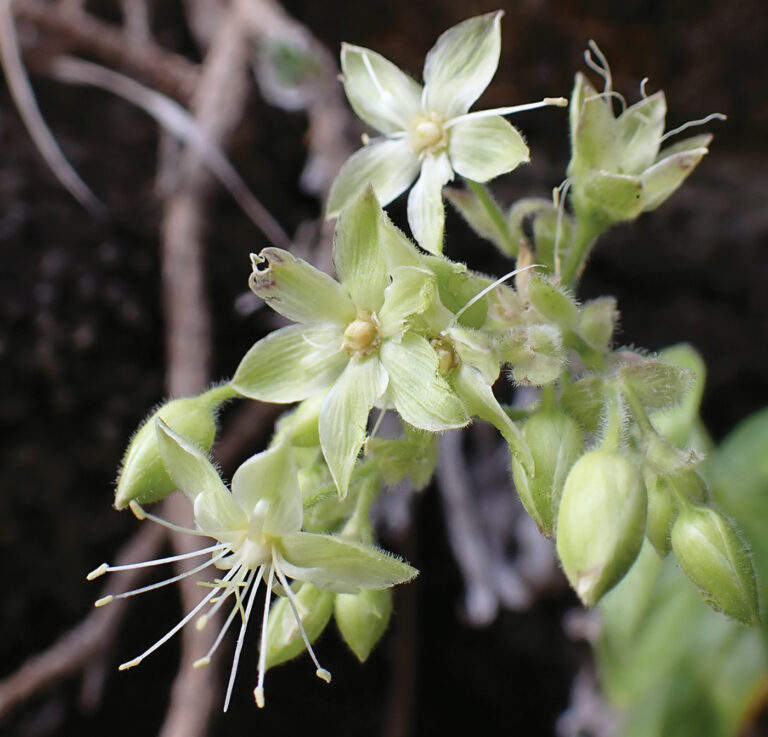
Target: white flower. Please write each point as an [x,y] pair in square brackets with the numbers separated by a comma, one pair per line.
[428,132]
[258,532]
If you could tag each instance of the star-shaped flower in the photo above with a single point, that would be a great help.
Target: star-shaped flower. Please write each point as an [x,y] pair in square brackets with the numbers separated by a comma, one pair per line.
[258,532]
[428,131]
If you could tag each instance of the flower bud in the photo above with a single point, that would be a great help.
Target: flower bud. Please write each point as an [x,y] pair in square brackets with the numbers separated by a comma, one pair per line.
[552,302]
[597,321]
[284,640]
[143,477]
[363,618]
[717,561]
[601,522]
[535,352]
[661,512]
[555,442]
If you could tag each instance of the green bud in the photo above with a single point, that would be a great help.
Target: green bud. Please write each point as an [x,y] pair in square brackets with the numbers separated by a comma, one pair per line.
[535,352]
[585,401]
[284,640]
[601,522]
[143,477]
[597,321]
[555,442]
[717,561]
[552,302]
[661,512]
[657,385]
[300,424]
[363,618]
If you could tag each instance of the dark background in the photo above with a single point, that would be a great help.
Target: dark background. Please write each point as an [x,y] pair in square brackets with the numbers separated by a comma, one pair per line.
[81,343]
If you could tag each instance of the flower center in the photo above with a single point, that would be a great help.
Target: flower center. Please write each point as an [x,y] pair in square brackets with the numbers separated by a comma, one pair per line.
[428,134]
[447,359]
[362,335]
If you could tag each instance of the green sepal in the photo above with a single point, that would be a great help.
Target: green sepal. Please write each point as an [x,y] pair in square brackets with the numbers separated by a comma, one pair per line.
[597,322]
[608,197]
[413,456]
[457,285]
[363,618]
[143,477]
[662,511]
[584,400]
[658,385]
[479,218]
[535,353]
[552,302]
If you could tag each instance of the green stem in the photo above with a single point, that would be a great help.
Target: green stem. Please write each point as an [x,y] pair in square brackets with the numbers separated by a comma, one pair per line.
[220,393]
[637,409]
[490,206]
[615,425]
[584,240]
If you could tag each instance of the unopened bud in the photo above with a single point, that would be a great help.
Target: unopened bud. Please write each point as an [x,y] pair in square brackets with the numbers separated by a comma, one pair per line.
[535,352]
[715,559]
[661,513]
[597,321]
[363,618]
[552,302]
[601,522]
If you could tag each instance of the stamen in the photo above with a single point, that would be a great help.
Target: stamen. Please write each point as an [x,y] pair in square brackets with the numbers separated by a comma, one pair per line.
[241,636]
[490,288]
[377,424]
[320,672]
[142,514]
[258,692]
[104,600]
[691,123]
[546,102]
[603,69]
[232,587]
[106,568]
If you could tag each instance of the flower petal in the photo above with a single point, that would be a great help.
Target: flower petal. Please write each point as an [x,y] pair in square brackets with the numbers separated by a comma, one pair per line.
[291,363]
[640,129]
[199,481]
[381,94]
[271,476]
[411,292]
[426,212]
[297,290]
[356,252]
[483,148]
[461,64]
[665,176]
[340,565]
[344,416]
[421,396]
[389,165]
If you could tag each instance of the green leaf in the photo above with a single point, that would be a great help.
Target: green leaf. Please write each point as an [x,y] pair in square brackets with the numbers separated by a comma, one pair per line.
[426,213]
[297,290]
[290,364]
[340,565]
[462,63]
[381,94]
[344,416]
[421,396]
[484,147]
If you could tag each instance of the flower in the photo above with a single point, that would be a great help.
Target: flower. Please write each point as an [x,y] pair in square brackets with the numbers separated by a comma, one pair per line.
[354,337]
[428,132]
[257,528]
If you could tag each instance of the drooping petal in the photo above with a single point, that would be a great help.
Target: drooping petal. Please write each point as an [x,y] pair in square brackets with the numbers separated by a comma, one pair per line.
[199,481]
[340,565]
[640,129]
[389,165]
[480,402]
[290,364]
[356,252]
[461,64]
[421,396]
[484,147]
[665,176]
[381,94]
[344,416]
[297,290]
[411,292]
[271,476]
[426,212]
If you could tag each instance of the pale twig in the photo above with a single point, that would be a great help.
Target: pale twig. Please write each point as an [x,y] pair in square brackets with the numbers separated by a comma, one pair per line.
[137,20]
[24,97]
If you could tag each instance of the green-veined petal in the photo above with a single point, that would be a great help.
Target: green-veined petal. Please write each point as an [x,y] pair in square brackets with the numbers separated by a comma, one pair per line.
[665,176]
[344,416]
[356,253]
[421,396]
[271,476]
[482,148]
[595,139]
[426,212]
[462,63]
[640,129]
[291,363]
[340,565]
[297,290]
[411,292]
[389,165]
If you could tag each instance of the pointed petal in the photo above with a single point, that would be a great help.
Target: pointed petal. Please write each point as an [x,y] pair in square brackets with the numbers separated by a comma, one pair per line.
[381,94]
[640,128]
[290,364]
[481,402]
[461,64]
[356,253]
[389,165]
[199,481]
[344,416]
[426,212]
[271,476]
[411,292]
[687,144]
[297,290]
[594,134]
[421,396]
[483,148]
[664,177]
[339,565]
